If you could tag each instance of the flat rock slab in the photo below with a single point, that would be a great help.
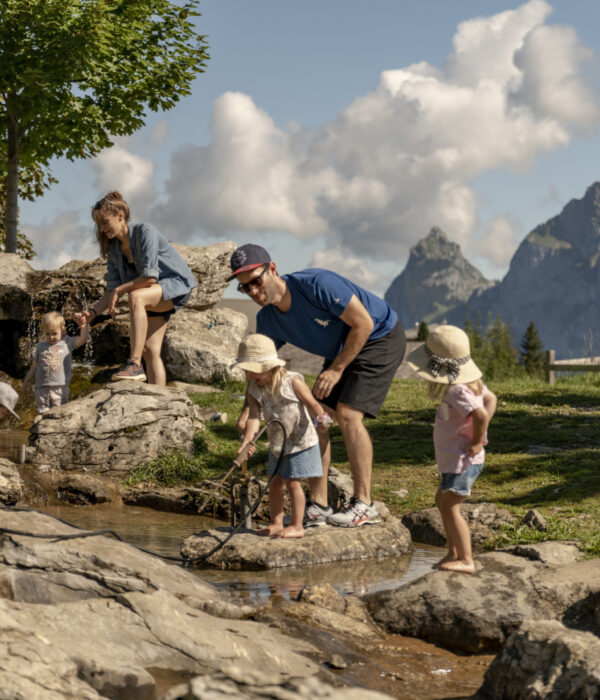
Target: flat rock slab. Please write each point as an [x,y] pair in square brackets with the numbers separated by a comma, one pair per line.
[320,545]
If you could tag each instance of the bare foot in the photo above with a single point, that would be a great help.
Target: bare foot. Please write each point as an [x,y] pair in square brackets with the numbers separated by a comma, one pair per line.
[444,560]
[290,531]
[270,530]
[462,567]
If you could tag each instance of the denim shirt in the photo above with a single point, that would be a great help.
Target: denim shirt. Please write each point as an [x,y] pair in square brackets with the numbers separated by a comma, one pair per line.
[154,257]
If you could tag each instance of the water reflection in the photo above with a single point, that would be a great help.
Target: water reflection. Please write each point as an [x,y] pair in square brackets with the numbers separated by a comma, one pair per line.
[10,443]
[164,532]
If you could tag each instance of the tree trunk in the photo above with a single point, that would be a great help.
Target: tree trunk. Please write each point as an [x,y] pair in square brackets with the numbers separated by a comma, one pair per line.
[12,187]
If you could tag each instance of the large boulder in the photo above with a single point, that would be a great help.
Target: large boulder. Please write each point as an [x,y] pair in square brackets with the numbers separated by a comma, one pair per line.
[483,519]
[115,429]
[210,265]
[320,545]
[477,613]
[200,346]
[544,660]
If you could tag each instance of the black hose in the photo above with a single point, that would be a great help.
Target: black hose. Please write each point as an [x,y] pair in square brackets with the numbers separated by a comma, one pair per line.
[182,560]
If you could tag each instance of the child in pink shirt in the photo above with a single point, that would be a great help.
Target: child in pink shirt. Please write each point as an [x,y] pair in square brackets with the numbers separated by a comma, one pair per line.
[459,431]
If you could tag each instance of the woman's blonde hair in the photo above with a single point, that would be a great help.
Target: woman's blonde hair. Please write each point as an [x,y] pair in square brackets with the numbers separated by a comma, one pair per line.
[53,319]
[113,203]
[437,390]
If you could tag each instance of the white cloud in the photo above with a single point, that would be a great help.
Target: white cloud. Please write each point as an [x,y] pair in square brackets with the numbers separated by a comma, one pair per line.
[60,240]
[348,266]
[398,160]
[499,241]
[118,169]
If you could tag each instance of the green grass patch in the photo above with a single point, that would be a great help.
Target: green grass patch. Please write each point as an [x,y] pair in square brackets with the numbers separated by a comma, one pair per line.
[544,453]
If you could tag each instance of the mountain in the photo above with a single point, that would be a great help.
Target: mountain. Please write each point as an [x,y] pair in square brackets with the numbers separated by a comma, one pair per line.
[436,278]
[554,280]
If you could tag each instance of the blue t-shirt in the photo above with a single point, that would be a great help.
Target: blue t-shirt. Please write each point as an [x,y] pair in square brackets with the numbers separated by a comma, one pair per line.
[319,298]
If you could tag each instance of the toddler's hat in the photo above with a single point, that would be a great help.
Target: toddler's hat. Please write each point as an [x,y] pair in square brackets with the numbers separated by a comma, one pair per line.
[445,357]
[8,397]
[257,353]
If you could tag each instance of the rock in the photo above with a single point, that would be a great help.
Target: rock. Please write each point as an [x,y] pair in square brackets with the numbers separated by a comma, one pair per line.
[163,498]
[12,488]
[340,488]
[84,489]
[546,552]
[116,429]
[259,686]
[544,660]
[200,346]
[337,662]
[324,595]
[95,617]
[535,519]
[210,265]
[483,520]
[436,278]
[478,612]
[195,388]
[247,550]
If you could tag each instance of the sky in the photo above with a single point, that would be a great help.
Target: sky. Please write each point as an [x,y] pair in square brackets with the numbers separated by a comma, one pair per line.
[337,133]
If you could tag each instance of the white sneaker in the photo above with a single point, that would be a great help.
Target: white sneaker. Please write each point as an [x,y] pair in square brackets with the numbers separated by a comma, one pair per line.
[315,515]
[354,514]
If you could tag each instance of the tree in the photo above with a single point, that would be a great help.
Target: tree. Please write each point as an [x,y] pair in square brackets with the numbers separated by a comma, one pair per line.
[423,331]
[33,181]
[76,73]
[532,351]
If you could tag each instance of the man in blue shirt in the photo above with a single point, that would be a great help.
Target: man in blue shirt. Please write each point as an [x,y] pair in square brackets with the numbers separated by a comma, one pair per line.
[363,344]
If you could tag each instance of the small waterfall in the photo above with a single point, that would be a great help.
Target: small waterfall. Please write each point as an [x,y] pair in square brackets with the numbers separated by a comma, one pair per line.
[88,348]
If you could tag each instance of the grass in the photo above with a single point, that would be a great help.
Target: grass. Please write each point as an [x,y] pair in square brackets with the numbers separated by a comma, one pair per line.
[544,452]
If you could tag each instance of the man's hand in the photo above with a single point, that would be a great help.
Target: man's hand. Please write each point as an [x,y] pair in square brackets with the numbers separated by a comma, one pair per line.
[325,383]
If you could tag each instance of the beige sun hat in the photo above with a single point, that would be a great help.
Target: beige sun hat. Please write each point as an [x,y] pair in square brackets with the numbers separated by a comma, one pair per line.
[445,357]
[257,353]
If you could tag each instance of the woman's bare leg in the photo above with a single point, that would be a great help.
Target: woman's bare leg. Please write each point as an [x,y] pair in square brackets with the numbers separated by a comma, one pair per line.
[155,368]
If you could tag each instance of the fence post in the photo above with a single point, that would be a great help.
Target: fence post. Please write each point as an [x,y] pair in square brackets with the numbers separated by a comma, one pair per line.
[550,357]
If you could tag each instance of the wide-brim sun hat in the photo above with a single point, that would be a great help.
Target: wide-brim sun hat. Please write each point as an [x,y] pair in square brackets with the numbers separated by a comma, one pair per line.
[445,357]
[257,353]
[8,397]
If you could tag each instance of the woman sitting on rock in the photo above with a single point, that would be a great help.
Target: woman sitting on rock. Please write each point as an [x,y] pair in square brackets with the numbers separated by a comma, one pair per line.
[146,267]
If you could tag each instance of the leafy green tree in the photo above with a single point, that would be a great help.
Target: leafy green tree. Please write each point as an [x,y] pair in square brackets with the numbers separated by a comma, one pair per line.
[33,181]
[502,360]
[532,351]
[423,331]
[76,73]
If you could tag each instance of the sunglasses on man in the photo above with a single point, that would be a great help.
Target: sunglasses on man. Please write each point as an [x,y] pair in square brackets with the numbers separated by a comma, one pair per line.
[254,282]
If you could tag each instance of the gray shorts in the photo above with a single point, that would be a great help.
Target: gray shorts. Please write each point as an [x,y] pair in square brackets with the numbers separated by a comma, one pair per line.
[48,396]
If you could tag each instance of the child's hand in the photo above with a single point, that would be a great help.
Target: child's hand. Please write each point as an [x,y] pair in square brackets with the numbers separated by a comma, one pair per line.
[80,319]
[474,449]
[249,446]
[323,422]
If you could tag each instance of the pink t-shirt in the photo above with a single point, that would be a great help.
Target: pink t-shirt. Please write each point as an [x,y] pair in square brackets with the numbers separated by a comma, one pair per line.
[453,429]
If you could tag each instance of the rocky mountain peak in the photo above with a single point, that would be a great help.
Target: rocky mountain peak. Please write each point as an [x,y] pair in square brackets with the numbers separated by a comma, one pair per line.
[436,277]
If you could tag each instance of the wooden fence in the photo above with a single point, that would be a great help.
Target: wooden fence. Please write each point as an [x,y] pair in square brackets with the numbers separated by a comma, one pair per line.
[583,364]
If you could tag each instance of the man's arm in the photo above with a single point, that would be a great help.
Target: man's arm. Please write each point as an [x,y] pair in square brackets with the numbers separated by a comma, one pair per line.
[357,317]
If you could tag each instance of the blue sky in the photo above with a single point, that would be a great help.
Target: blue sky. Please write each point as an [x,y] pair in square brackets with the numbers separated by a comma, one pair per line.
[336,133]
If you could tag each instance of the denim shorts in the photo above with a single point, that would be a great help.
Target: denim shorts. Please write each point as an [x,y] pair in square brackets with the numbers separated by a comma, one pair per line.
[461,484]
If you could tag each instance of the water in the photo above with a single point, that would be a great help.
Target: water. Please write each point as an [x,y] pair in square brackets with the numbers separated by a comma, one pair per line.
[11,441]
[163,533]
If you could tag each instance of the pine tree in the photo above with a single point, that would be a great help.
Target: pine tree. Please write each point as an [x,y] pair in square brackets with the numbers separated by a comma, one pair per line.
[502,358]
[423,332]
[532,351]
